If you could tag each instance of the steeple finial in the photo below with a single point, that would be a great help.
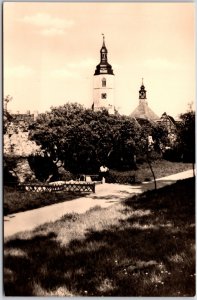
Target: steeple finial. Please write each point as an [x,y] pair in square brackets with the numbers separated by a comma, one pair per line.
[103,39]
[142,81]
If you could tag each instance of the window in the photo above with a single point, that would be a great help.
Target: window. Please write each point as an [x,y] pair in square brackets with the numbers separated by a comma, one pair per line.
[103,56]
[103,82]
[103,96]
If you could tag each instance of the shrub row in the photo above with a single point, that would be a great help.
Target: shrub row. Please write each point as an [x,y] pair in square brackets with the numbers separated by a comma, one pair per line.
[124,178]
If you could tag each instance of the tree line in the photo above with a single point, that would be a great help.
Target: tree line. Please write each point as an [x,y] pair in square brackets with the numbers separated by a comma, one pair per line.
[81,140]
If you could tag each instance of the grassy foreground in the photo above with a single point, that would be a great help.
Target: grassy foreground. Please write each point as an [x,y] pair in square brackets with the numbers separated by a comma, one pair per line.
[143,246]
[17,201]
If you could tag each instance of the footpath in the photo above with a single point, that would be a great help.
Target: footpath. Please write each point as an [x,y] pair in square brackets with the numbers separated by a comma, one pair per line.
[105,195]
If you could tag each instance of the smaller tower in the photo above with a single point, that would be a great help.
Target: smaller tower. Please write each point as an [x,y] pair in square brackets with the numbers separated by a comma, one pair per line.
[103,85]
[143,111]
[142,91]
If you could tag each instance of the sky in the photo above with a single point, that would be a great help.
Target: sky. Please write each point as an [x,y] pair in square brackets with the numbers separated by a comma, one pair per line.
[50,52]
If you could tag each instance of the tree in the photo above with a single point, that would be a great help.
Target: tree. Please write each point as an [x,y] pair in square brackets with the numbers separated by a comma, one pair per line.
[160,137]
[83,139]
[186,137]
[146,146]
[7,118]
[149,146]
[6,100]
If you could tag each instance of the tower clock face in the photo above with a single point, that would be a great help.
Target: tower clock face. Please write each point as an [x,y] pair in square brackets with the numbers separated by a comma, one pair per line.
[142,95]
[103,70]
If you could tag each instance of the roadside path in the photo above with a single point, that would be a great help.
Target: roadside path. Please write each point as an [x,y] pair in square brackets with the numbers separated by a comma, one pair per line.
[106,195]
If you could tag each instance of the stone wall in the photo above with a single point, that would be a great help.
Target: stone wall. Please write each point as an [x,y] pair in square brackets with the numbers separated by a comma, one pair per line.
[22,170]
[18,147]
[17,143]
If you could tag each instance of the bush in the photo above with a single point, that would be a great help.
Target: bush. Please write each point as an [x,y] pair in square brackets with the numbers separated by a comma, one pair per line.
[8,178]
[43,167]
[188,157]
[120,177]
[66,175]
[172,154]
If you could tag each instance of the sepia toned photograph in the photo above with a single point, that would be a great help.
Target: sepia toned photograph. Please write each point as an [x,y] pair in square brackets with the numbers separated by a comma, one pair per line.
[99,149]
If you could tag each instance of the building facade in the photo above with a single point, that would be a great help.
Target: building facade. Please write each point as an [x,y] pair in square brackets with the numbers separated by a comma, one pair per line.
[171,126]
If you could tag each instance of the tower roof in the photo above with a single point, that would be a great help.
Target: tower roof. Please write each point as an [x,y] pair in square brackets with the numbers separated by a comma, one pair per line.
[143,111]
[103,49]
[103,67]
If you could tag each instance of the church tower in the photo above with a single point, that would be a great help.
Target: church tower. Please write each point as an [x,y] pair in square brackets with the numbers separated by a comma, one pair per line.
[142,93]
[103,83]
[143,111]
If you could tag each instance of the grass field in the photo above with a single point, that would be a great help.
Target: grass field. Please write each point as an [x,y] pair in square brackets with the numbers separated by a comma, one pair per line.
[144,246]
[16,201]
[161,168]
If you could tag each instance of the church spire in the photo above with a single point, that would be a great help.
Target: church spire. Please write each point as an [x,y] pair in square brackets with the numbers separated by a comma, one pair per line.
[143,111]
[104,67]
[103,39]
[103,51]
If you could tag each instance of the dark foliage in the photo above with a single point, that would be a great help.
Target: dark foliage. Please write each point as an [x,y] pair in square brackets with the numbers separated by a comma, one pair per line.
[9,177]
[120,177]
[173,154]
[43,167]
[186,136]
[83,140]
